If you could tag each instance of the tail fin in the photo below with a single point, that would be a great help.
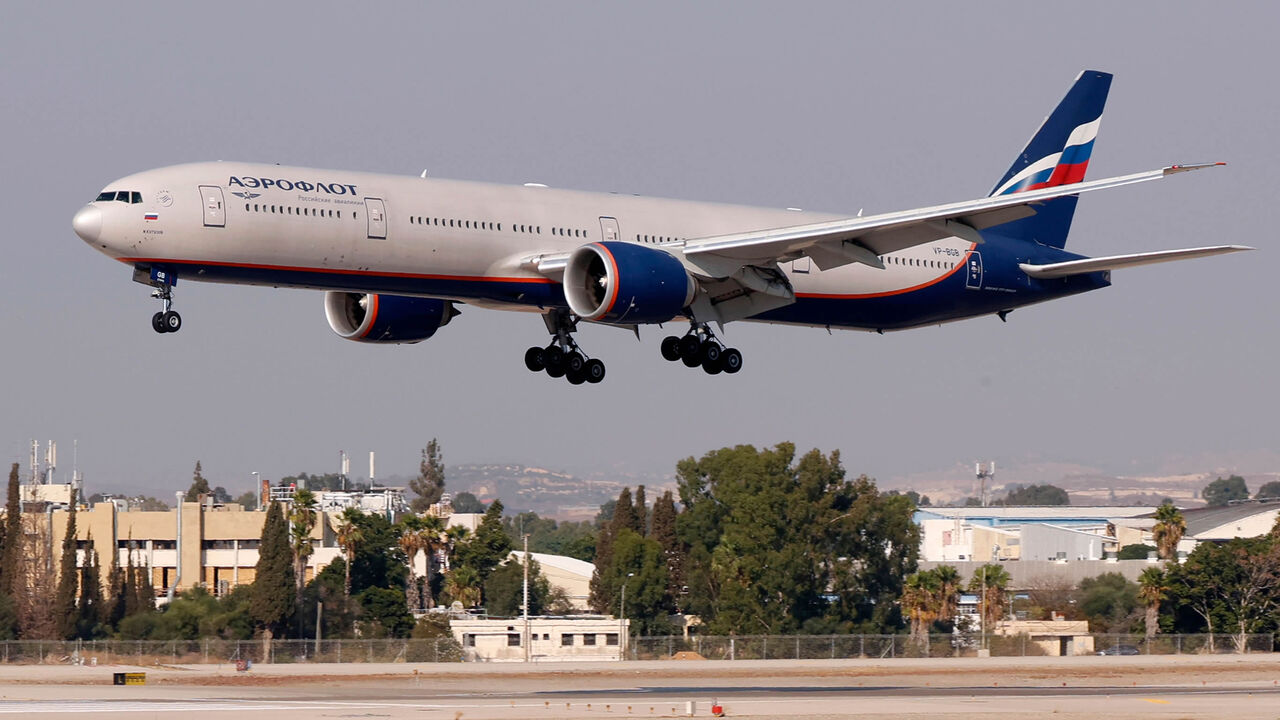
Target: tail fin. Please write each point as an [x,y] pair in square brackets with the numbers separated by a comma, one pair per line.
[1058,154]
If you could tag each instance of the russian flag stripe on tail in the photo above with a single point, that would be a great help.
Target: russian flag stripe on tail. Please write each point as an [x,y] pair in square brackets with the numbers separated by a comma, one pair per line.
[1058,154]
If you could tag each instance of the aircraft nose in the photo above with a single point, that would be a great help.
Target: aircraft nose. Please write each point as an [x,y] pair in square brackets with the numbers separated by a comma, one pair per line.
[88,223]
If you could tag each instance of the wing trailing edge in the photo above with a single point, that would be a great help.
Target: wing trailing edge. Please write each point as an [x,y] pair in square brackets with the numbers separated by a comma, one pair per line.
[1115,262]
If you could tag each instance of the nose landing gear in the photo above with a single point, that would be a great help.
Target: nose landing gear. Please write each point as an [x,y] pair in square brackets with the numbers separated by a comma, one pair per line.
[167,320]
[563,357]
[700,347]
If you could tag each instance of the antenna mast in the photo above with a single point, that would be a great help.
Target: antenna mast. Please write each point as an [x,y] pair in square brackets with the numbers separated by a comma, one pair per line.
[983,477]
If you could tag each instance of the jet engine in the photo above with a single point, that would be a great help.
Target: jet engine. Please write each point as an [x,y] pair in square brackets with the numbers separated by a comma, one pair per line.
[617,282]
[386,318]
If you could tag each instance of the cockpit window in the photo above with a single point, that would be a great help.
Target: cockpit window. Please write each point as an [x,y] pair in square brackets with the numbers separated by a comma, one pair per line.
[132,197]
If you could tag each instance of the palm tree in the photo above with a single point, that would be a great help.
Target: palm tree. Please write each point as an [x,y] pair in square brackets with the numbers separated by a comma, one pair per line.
[1168,530]
[990,582]
[948,592]
[1153,588]
[349,536]
[463,585]
[411,542]
[432,540]
[302,518]
[918,600]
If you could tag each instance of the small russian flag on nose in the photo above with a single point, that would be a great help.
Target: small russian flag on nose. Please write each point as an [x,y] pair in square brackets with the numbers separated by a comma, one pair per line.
[151,216]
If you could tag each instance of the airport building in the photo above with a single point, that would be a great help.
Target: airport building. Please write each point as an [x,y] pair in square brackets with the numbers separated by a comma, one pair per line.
[200,543]
[541,639]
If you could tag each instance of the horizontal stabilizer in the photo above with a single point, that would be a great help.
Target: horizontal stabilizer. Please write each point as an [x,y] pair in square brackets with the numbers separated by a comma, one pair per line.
[1113,262]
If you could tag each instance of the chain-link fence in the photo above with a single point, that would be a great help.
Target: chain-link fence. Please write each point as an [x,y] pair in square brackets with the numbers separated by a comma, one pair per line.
[830,647]
[210,650]
[746,647]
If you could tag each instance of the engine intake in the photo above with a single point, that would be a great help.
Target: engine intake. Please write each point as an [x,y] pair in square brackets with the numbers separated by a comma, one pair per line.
[386,318]
[617,282]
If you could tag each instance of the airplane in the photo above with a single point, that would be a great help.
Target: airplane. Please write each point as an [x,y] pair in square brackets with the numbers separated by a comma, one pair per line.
[396,255]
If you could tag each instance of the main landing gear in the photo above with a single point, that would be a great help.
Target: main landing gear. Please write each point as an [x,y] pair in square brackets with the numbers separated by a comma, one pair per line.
[563,357]
[701,347]
[167,320]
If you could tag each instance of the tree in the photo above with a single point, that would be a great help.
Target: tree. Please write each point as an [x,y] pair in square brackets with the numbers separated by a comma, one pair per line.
[349,536]
[489,546]
[1110,602]
[778,545]
[462,585]
[89,611]
[274,583]
[11,554]
[249,500]
[64,598]
[465,502]
[504,590]
[663,532]
[919,604]
[429,485]
[1269,491]
[302,519]
[199,486]
[384,613]
[640,566]
[1136,551]
[1168,529]
[622,517]
[1153,589]
[1037,495]
[1224,491]
[641,512]
[990,582]
[412,540]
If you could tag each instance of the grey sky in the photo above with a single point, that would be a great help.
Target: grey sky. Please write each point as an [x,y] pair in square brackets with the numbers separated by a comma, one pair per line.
[836,106]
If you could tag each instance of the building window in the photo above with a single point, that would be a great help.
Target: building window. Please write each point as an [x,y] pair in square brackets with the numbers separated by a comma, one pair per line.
[469,639]
[611,639]
[513,639]
[566,639]
[589,639]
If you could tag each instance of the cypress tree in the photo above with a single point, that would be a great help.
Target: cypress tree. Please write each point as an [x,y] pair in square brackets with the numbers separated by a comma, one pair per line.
[664,532]
[642,513]
[272,595]
[64,598]
[115,584]
[128,587]
[624,512]
[11,557]
[144,588]
[89,612]
[199,486]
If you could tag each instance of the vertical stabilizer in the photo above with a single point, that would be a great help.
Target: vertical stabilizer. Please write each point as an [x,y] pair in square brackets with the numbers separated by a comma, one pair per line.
[1058,154]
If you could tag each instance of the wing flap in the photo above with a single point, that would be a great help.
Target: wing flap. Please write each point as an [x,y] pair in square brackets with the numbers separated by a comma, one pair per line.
[1114,262]
[890,232]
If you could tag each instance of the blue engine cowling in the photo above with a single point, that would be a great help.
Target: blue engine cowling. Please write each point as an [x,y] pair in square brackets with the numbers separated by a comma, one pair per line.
[618,282]
[386,318]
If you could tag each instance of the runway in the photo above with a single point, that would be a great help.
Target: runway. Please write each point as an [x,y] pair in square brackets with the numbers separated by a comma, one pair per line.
[1240,687]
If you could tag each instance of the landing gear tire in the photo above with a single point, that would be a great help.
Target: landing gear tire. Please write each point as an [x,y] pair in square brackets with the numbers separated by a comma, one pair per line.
[157,322]
[710,353]
[535,359]
[574,362]
[594,371]
[731,360]
[171,320]
[689,347]
[576,377]
[712,367]
[671,348]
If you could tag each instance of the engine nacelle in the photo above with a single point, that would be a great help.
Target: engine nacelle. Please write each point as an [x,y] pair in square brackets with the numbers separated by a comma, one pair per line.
[386,318]
[619,282]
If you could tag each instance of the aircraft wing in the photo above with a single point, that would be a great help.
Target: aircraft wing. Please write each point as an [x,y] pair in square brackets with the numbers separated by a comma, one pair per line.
[1113,262]
[863,239]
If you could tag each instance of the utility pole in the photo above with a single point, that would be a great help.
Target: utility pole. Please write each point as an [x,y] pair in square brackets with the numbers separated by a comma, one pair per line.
[527,654]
